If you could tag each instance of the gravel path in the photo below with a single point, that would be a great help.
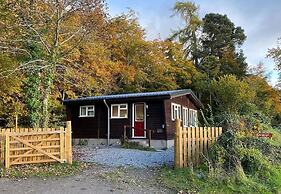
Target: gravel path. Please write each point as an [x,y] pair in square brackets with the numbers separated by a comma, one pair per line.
[116,157]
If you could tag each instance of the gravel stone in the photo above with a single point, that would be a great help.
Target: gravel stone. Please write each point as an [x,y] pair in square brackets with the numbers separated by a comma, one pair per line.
[121,157]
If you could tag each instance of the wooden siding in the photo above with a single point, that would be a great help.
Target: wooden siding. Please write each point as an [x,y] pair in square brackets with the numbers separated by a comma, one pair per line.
[155,116]
[96,127]
[88,127]
[171,125]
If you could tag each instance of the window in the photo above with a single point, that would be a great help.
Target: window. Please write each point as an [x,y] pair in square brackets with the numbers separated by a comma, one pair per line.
[87,111]
[119,111]
[193,122]
[176,111]
[185,116]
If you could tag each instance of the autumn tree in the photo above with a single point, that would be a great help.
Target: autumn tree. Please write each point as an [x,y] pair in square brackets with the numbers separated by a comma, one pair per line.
[11,104]
[142,65]
[57,27]
[190,33]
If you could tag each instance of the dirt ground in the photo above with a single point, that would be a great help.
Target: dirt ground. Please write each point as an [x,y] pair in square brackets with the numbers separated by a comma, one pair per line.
[95,179]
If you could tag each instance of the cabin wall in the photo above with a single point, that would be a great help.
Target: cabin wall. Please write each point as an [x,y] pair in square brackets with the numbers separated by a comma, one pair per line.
[171,125]
[88,127]
[155,115]
[96,127]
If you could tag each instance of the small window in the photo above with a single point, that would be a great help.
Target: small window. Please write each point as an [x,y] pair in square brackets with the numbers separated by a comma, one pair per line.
[119,111]
[193,121]
[185,116]
[176,111]
[87,111]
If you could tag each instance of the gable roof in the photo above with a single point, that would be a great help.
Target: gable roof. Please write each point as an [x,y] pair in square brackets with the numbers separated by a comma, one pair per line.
[153,95]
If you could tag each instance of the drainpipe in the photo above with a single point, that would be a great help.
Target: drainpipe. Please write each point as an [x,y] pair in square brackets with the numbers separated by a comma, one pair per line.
[108,122]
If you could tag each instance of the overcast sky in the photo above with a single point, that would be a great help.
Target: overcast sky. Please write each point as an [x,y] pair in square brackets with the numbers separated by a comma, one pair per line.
[260,19]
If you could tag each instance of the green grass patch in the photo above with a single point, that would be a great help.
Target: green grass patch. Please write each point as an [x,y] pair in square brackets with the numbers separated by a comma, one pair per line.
[201,181]
[43,170]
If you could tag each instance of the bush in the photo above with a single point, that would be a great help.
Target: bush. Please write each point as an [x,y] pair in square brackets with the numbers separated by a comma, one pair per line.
[238,163]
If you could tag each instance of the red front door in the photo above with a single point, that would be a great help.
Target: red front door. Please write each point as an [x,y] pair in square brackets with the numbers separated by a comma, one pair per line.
[139,120]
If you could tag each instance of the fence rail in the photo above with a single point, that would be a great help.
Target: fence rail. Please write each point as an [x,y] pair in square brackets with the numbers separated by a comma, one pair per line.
[35,145]
[191,143]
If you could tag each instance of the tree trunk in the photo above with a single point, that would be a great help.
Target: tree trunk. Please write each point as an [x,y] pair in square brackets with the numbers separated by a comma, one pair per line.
[46,97]
[47,92]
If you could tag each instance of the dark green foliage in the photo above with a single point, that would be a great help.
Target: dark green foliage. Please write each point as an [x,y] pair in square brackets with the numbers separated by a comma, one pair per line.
[221,39]
[221,34]
[33,99]
[134,145]
[33,86]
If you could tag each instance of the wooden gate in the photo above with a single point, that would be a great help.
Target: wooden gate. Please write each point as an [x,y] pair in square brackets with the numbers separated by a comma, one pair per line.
[35,145]
[191,143]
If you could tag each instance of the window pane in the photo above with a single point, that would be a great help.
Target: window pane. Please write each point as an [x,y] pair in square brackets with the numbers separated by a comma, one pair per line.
[139,110]
[83,111]
[90,108]
[91,112]
[114,112]
[190,117]
[123,106]
[183,119]
[186,116]
[123,113]
[174,112]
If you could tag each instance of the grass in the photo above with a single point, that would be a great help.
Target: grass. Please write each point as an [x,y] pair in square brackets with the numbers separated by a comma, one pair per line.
[266,178]
[42,170]
[201,181]
[136,145]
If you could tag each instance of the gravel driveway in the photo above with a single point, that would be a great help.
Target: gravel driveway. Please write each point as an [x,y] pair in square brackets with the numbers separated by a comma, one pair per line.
[117,157]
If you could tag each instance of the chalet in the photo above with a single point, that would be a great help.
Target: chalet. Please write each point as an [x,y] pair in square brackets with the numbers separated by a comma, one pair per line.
[101,119]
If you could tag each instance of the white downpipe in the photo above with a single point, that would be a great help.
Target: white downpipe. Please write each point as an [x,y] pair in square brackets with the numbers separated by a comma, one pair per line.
[108,122]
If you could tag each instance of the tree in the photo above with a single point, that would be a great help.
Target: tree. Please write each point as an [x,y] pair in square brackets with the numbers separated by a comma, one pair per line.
[231,94]
[11,102]
[141,65]
[221,39]
[57,27]
[275,54]
[182,70]
[189,35]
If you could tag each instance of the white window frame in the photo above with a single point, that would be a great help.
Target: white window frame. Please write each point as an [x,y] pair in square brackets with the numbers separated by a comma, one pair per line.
[87,111]
[185,116]
[193,120]
[119,110]
[175,111]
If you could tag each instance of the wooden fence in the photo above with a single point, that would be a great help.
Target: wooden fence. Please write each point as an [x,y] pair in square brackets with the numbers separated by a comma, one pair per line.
[30,145]
[191,143]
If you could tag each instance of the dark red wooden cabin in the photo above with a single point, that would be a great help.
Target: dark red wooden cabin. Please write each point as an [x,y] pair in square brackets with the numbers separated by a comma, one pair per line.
[101,119]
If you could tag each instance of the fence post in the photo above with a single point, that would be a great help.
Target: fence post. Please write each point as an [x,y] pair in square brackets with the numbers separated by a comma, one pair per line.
[124,132]
[149,138]
[68,145]
[184,146]
[2,142]
[7,151]
[16,122]
[178,145]
[62,146]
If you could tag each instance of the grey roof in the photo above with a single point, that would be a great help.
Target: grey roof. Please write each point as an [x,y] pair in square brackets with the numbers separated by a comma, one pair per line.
[160,94]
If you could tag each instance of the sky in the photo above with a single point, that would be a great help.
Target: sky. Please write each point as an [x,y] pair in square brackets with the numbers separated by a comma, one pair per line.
[260,19]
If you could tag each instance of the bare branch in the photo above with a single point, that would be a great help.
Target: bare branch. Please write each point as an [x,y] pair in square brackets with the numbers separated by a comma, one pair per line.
[25,66]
